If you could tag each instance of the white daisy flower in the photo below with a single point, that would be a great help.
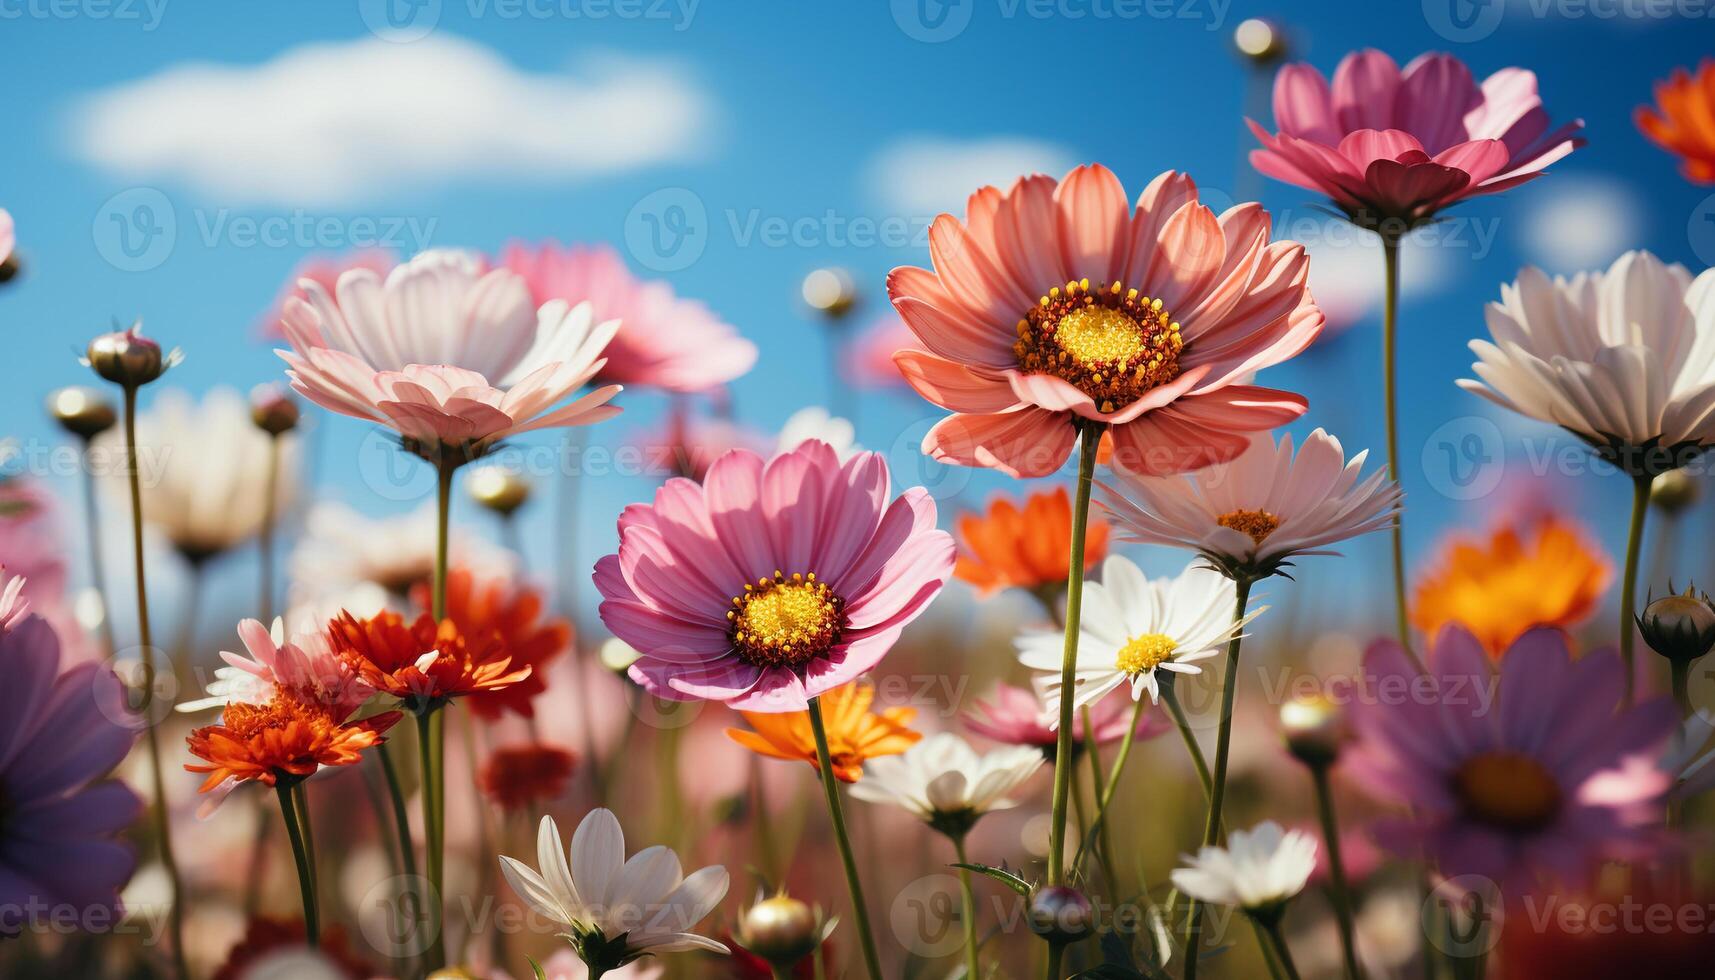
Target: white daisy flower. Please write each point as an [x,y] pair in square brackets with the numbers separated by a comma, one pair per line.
[1251,516]
[616,910]
[1131,628]
[1258,870]
[342,550]
[1623,358]
[816,422]
[945,782]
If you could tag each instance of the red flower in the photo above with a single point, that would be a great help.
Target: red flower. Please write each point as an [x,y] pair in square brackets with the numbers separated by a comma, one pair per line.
[479,603]
[422,664]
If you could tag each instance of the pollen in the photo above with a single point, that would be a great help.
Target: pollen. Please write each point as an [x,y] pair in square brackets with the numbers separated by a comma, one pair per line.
[1508,790]
[785,621]
[1145,653]
[1259,524]
[1108,342]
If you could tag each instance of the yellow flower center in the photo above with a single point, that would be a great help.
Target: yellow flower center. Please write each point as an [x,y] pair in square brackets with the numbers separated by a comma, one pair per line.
[1509,790]
[1145,652]
[785,621]
[1259,524]
[1110,343]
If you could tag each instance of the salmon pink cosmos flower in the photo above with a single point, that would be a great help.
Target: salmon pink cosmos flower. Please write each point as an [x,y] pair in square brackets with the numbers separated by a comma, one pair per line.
[771,583]
[1397,146]
[1056,304]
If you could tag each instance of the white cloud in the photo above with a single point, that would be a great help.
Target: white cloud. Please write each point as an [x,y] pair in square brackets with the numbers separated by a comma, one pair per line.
[334,123]
[1573,222]
[927,175]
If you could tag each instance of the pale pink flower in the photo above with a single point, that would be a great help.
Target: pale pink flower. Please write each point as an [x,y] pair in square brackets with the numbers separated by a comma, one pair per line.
[307,668]
[663,341]
[1016,716]
[324,271]
[868,362]
[13,606]
[451,358]
[771,583]
[1392,145]
[8,235]
[1056,303]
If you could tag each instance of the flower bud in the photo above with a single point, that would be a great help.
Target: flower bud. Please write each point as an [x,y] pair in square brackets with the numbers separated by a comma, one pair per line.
[81,411]
[129,359]
[1314,728]
[781,930]
[1673,491]
[1059,914]
[498,488]
[1679,626]
[10,267]
[830,291]
[273,409]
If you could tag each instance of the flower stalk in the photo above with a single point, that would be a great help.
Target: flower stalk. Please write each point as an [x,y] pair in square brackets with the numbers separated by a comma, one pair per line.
[1089,437]
[1390,396]
[1629,586]
[830,789]
[297,829]
[968,909]
[1336,871]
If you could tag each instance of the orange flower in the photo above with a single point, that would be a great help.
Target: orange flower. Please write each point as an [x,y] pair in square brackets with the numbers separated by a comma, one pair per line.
[285,738]
[516,776]
[854,734]
[1683,120]
[479,604]
[1027,548]
[421,664]
[1545,574]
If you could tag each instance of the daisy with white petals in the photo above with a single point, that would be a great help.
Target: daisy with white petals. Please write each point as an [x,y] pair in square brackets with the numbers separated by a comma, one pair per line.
[1259,870]
[1133,627]
[616,910]
[1252,516]
[945,782]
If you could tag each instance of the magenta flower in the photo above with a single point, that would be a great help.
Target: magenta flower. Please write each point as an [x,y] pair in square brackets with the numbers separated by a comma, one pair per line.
[60,734]
[1015,716]
[664,342]
[771,583]
[1388,145]
[1543,780]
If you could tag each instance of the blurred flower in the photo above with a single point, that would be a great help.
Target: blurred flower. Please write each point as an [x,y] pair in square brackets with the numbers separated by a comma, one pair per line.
[8,235]
[1665,934]
[501,489]
[1682,121]
[421,663]
[478,603]
[1133,627]
[452,359]
[1680,627]
[1360,859]
[772,583]
[1057,303]
[1546,573]
[324,271]
[341,549]
[518,777]
[1387,145]
[868,361]
[1689,755]
[1546,783]
[663,341]
[283,738]
[306,670]
[84,412]
[855,735]
[1016,716]
[565,965]
[1255,514]
[32,545]
[61,733]
[13,606]
[616,910]
[1621,358]
[691,442]
[1026,548]
[1259,870]
[275,948]
[818,423]
[205,471]
[129,359]
[943,781]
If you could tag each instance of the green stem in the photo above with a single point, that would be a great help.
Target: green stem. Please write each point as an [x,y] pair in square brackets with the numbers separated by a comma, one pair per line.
[401,822]
[1113,782]
[1098,787]
[1272,930]
[1390,395]
[1336,870]
[1218,785]
[146,654]
[1681,671]
[265,542]
[306,862]
[1629,587]
[430,732]
[443,516]
[301,800]
[1089,436]
[1171,698]
[830,789]
[968,913]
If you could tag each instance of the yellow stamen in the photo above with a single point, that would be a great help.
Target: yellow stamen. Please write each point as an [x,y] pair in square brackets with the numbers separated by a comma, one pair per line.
[785,620]
[1145,652]
[1259,524]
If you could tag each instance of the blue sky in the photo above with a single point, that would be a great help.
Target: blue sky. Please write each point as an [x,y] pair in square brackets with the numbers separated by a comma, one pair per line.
[780,113]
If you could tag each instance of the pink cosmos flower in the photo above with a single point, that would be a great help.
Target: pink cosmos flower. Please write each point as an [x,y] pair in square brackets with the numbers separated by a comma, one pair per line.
[663,341]
[869,354]
[1055,304]
[771,583]
[307,668]
[60,735]
[1546,780]
[8,235]
[1016,716]
[323,270]
[451,358]
[687,443]
[1391,145]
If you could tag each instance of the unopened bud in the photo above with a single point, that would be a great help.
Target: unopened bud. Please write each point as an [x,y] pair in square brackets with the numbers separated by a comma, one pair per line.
[82,411]
[1673,491]
[129,359]
[1059,914]
[1314,728]
[498,488]
[781,930]
[1679,626]
[273,409]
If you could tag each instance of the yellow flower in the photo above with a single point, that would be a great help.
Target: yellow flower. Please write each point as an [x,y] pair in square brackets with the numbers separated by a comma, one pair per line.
[854,734]
[1545,573]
